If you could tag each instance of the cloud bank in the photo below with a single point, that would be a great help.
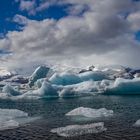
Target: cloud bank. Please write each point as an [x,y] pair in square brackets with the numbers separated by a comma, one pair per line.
[103,33]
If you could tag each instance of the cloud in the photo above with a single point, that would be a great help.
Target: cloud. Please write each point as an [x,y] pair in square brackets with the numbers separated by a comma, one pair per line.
[101,35]
[22,20]
[27,5]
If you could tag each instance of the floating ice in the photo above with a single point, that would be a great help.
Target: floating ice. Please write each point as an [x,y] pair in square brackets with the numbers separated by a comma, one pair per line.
[65,79]
[137,123]
[76,130]
[124,86]
[46,90]
[10,91]
[81,89]
[11,118]
[93,75]
[91,113]
[39,73]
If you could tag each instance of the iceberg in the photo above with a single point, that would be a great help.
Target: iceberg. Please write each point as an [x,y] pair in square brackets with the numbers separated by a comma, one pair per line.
[10,91]
[124,86]
[81,89]
[93,75]
[76,130]
[46,90]
[65,78]
[39,73]
[11,118]
[90,113]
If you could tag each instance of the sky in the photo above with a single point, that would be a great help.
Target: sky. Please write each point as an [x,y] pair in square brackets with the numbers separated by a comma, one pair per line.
[69,32]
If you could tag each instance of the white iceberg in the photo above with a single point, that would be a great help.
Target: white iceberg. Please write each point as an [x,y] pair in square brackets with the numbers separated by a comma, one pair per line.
[76,130]
[11,118]
[90,113]
[65,79]
[39,73]
[124,86]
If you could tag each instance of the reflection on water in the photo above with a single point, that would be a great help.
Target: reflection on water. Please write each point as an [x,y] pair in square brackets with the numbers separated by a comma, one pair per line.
[52,112]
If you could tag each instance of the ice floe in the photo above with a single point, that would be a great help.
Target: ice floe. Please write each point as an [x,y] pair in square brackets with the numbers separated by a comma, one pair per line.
[76,130]
[11,118]
[90,112]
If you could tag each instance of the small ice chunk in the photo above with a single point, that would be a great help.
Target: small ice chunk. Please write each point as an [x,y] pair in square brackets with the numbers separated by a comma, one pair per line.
[137,123]
[76,130]
[39,73]
[91,113]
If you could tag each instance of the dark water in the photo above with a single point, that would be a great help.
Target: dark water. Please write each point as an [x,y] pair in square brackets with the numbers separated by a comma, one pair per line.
[119,127]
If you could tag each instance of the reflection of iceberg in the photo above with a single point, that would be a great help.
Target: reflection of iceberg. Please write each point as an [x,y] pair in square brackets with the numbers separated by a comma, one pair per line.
[11,118]
[75,130]
[89,112]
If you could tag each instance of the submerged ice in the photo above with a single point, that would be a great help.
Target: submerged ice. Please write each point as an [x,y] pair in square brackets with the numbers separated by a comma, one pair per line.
[76,130]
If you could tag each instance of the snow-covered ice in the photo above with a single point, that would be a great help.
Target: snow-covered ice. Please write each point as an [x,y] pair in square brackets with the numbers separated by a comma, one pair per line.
[76,130]
[90,112]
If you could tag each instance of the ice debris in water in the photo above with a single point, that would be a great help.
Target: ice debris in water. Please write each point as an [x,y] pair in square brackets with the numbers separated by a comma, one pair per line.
[137,123]
[76,130]
[124,86]
[91,113]
[11,118]
[10,91]
[39,73]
